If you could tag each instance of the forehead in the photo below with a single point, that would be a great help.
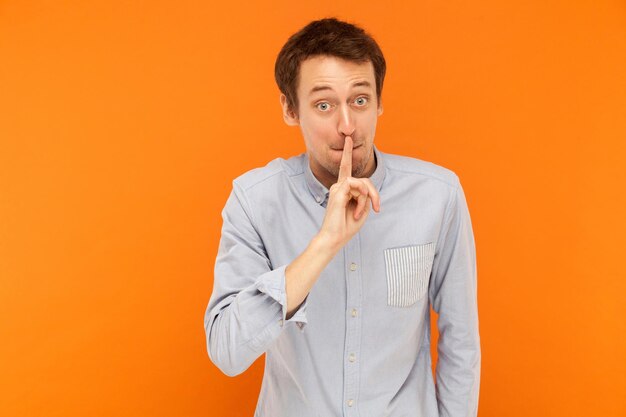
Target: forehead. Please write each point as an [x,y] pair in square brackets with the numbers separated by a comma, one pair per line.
[333,72]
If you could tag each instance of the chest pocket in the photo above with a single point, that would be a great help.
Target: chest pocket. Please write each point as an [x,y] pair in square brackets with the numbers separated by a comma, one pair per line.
[408,273]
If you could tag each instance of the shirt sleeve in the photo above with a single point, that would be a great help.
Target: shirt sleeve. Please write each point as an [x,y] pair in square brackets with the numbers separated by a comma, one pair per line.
[453,295]
[247,310]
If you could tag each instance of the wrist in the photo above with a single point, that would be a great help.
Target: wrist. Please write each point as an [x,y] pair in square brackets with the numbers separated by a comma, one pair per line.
[325,244]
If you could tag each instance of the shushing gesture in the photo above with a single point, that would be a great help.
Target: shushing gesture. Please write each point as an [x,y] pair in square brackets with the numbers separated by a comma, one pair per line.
[349,201]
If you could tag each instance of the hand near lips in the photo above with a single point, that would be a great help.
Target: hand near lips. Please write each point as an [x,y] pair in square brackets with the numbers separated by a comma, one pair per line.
[347,209]
[348,202]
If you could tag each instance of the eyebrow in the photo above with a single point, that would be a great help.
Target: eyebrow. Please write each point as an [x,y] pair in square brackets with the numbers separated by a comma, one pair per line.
[326,87]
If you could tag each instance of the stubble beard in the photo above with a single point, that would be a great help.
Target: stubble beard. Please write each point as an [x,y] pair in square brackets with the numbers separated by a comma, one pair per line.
[357,170]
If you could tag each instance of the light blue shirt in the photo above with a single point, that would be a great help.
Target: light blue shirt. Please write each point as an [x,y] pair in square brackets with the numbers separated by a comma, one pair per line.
[359,345]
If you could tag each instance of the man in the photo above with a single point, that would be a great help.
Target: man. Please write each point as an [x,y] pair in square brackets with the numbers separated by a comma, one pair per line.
[336,295]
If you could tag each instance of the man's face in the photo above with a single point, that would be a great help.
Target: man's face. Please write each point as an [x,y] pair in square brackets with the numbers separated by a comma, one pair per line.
[336,98]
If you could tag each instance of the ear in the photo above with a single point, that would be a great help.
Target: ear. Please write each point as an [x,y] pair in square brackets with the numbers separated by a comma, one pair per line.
[380,108]
[289,115]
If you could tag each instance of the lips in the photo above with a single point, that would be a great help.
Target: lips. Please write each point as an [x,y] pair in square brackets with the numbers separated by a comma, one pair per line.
[341,149]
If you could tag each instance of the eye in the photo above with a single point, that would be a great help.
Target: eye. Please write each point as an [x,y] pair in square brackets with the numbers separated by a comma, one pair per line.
[361,101]
[323,106]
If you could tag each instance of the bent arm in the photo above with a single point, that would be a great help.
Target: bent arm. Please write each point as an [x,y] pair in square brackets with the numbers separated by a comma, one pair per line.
[251,302]
[247,308]
[453,295]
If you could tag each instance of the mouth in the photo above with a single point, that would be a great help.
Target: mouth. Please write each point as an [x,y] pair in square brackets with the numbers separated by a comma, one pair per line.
[341,149]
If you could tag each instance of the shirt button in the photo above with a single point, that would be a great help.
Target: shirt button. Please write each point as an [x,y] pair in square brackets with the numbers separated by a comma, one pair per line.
[350,402]
[354,312]
[318,199]
[280,322]
[352,357]
[352,266]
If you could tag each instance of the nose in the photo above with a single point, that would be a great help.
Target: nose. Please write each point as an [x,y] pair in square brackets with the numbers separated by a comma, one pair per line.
[346,123]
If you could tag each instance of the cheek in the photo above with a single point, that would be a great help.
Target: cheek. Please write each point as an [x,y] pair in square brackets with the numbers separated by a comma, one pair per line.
[369,130]
[371,120]
[319,132]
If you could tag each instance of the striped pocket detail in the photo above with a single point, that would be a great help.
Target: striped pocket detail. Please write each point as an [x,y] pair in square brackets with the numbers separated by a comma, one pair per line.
[408,272]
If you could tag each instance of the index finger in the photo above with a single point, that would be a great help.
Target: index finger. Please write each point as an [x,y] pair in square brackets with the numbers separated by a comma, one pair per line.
[345,168]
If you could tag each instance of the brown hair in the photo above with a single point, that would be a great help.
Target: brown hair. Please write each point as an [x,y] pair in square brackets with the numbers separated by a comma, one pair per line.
[326,37]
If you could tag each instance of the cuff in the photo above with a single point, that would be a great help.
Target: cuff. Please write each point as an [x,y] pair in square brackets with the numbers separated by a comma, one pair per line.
[273,284]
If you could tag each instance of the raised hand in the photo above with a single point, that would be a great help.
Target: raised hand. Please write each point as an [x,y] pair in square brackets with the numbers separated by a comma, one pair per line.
[349,202]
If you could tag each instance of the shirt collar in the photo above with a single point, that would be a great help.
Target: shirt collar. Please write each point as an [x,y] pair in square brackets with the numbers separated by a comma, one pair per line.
[319,190]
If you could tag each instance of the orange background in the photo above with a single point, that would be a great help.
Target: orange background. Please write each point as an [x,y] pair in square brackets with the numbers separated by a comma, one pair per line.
[122,125]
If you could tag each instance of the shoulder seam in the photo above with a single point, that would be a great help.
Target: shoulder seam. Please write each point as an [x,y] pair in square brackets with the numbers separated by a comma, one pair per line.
[254,184]
[281,169]
[452,185]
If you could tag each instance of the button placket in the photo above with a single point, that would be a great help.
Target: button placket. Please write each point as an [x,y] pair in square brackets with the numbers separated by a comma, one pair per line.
[352,258]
